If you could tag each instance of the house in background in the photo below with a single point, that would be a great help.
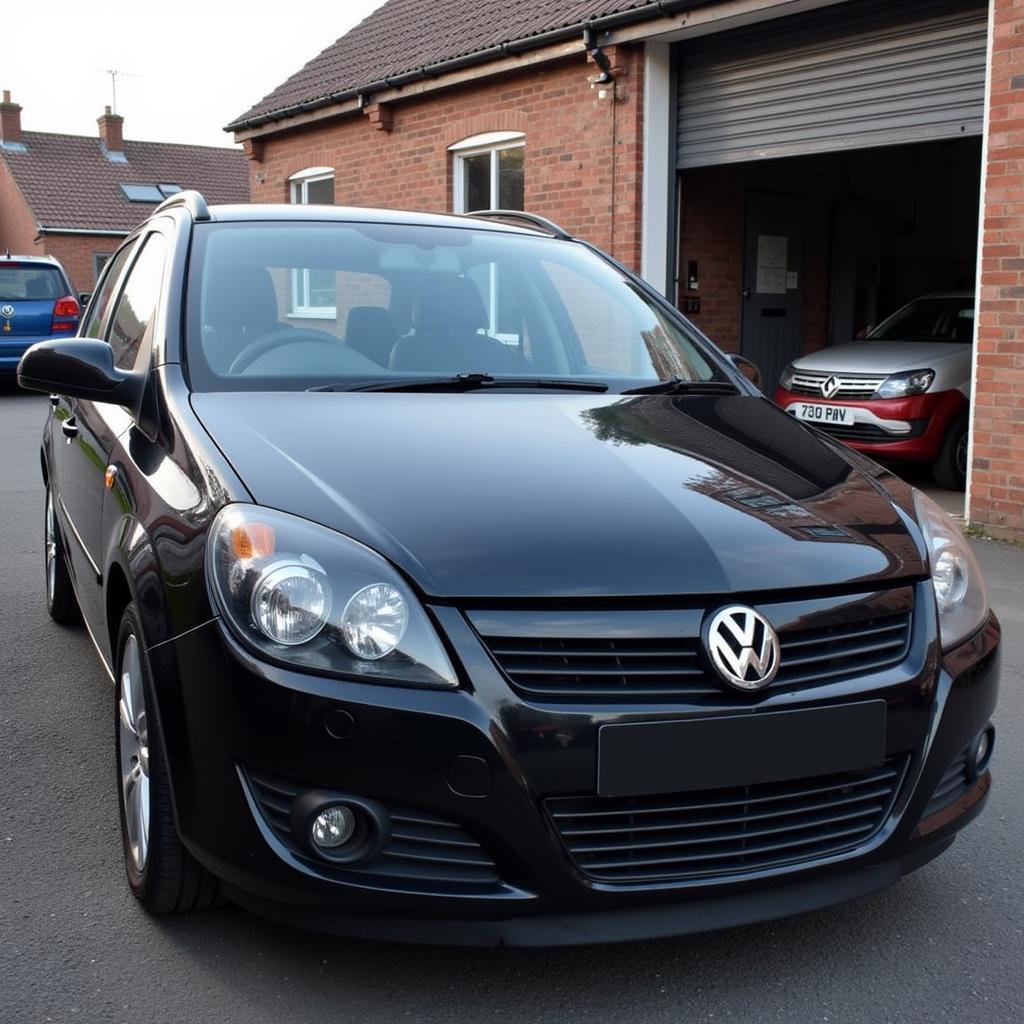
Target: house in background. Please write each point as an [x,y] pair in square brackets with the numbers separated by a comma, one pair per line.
[75,197]
[786,171]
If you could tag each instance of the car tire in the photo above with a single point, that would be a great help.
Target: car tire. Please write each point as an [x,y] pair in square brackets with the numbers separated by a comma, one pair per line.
[950,468]
[61,602]
[164,877]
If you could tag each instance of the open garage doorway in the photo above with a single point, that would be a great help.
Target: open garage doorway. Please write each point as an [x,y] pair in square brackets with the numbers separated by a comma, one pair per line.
[829,167]
[782,258]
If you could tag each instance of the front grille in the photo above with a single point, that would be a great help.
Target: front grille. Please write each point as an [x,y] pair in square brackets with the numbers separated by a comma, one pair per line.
[422,851]
[575,669]
[953,785]
[726,831]
[869,433]
[850,385]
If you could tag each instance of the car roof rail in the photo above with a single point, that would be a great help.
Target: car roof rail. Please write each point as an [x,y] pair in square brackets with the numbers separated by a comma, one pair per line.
[532,219]
[192,200]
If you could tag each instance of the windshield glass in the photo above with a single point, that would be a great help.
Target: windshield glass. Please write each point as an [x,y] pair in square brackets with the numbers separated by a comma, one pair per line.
[938,319]
[290,306]
[29,282]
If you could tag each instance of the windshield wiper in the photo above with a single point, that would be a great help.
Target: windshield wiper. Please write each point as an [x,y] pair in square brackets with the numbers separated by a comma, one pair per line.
[678,386]
[466,382]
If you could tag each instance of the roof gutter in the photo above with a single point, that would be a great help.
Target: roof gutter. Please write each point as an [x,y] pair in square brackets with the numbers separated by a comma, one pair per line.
[660,8]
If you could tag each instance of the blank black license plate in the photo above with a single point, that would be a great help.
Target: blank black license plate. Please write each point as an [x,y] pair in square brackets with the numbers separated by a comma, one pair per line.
[739,750]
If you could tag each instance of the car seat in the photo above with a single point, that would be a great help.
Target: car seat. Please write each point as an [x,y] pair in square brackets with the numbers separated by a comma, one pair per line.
[446,318]
[239,306]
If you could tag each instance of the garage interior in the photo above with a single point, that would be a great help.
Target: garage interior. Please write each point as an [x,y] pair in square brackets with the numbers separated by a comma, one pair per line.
[850,139]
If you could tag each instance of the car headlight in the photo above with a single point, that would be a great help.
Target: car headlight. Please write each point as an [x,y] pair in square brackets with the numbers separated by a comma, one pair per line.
[903,385]
[314,599]
[786,377]
[959,589]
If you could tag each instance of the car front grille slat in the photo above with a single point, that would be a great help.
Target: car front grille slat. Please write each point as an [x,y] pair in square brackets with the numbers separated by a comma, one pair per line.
[658,669]
[725,832]
[850,386]
[420,850]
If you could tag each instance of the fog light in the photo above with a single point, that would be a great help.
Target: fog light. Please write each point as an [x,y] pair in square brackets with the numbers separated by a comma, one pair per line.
[333,827]
[980,752]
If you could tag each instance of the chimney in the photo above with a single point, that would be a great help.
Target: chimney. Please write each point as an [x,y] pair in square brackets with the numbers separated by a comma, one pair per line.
[110,131]
[10,120]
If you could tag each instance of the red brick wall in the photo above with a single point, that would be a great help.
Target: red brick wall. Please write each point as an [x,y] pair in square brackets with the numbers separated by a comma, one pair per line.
[997,472]
[582,161]
[19,232]
[76,253]
[17,225]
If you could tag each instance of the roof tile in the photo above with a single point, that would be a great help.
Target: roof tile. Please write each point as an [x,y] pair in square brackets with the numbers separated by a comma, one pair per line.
[405,35]
[68,181]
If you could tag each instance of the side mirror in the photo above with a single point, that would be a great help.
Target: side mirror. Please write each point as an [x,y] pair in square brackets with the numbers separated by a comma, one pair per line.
[83,299]
[78,367]
[748,369]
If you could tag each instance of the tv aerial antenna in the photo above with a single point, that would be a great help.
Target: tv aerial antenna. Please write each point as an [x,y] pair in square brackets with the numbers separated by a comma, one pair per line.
[115,74]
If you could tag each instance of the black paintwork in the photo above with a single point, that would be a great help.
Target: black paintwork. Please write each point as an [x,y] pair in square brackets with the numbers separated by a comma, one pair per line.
[600,509]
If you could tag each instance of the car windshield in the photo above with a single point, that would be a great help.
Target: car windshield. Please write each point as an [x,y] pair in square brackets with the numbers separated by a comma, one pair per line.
[20,282]
[936,319]
[320,304]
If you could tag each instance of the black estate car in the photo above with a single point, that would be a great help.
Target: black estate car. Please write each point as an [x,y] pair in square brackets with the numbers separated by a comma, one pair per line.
[455,588]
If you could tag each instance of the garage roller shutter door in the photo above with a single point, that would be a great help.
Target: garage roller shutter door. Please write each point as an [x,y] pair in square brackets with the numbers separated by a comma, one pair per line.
[850,76]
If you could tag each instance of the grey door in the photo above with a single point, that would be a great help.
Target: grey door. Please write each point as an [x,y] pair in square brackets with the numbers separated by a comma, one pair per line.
[773,282]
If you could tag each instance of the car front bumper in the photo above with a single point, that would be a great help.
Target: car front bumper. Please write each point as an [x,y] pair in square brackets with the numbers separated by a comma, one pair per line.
[910,429]
[227,717]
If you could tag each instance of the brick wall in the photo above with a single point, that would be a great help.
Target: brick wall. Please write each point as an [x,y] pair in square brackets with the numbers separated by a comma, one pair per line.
[17,225]
[996,500]
[582,160]
[76,253]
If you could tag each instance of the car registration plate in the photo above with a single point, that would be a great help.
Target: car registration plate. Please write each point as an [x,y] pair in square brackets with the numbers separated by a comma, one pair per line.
[818,412]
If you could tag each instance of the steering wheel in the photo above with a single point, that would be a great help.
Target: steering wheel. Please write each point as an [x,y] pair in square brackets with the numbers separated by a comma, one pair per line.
[276,339]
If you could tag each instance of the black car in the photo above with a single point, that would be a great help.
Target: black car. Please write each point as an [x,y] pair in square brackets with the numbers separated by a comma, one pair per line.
[455,588]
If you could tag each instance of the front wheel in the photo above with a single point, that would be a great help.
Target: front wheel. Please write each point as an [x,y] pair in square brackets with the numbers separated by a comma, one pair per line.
[950,468]
[163,875]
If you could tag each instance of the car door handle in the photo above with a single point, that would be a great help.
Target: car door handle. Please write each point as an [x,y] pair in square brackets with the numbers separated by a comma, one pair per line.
[69,428]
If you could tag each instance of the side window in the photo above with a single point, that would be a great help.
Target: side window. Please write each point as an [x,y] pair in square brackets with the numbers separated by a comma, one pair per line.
[93,326]
[138,302]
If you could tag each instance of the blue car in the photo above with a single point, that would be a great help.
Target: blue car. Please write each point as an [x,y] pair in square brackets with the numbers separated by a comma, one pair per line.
[36,302]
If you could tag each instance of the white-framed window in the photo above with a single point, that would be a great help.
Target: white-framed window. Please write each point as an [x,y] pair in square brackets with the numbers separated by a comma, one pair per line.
[488,172]
[313,291]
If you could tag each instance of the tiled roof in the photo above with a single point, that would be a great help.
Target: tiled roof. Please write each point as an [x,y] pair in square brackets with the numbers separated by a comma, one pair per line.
[69,182]
[405,35]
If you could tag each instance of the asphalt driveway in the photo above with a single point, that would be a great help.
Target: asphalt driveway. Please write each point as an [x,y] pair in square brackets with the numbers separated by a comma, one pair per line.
[946,944]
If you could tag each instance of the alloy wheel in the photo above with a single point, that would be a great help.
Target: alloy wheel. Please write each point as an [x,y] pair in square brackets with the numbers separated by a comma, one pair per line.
[134,752]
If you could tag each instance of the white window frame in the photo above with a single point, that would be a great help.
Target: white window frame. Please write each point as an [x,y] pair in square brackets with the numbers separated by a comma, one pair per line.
[493,143]
[298,195]
[488,142]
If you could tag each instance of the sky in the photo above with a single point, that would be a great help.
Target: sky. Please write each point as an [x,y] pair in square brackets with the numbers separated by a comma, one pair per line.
[179,84]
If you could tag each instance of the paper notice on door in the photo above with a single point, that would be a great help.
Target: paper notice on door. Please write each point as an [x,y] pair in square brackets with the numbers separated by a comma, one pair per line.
[771,264]
[792,280]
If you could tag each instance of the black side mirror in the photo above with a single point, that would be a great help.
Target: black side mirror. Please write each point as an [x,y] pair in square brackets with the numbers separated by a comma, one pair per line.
[83,299]
[80,368]
[748,369]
